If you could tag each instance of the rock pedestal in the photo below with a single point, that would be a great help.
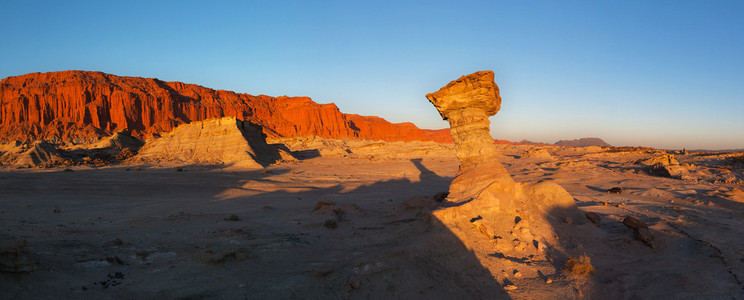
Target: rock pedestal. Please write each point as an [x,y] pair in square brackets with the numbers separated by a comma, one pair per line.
[483,198]
[466,104]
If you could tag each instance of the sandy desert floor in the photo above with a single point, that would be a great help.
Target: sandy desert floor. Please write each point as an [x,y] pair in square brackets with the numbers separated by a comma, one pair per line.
[203,232]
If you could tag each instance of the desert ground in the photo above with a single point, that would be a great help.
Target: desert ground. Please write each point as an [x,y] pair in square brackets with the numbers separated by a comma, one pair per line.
[354,220]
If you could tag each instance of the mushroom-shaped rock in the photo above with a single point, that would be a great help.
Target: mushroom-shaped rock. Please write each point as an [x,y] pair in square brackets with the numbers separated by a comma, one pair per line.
[466,104]
[483,198]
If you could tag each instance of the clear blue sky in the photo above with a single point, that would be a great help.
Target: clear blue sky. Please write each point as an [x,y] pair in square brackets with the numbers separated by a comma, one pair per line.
[667,74]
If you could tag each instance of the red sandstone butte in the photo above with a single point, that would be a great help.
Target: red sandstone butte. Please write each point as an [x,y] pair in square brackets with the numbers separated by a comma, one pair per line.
[81,106]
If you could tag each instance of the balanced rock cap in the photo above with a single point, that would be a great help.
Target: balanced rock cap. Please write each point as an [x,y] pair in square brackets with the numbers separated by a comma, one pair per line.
[477,90]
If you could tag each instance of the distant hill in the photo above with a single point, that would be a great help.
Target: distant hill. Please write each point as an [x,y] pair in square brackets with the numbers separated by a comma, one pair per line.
[528,142]
[583,142]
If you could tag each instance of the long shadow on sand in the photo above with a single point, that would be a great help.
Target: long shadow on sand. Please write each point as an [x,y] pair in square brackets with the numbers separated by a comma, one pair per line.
[182,238]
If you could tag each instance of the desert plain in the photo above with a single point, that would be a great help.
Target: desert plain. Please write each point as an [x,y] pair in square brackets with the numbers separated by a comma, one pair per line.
[356,223]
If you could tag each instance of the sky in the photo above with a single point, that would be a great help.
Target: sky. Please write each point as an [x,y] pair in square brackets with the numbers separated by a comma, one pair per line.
[666,74]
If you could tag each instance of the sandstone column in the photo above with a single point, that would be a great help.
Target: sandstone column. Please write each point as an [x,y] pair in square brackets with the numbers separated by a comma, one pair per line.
[466,103]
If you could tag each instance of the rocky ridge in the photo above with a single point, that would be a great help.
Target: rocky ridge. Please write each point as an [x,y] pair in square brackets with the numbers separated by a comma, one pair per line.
[82,107]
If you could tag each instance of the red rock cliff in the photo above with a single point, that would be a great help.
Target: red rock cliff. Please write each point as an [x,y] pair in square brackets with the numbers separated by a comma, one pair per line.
[83,106]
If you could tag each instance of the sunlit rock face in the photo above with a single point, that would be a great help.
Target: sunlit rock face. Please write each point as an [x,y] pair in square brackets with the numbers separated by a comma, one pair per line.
[82,107]
[466,103]
[484,200]
[225,141]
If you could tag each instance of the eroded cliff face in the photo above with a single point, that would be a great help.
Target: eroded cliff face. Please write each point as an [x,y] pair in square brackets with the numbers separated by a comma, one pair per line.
[81,106]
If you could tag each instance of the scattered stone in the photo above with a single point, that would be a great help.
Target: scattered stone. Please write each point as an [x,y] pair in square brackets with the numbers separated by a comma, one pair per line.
[321,274]
[114,242]
[644,235]
[238,255]
[232,218]
[615,190]
[634,223]
[330,224]
[593,217]
[67,170]
[115,260]
[354,283]
[321,204]
[439,197]
[179,169]
[57,210]
[640,230]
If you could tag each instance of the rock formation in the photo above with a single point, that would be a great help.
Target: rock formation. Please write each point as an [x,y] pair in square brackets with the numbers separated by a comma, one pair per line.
[119,140]
[466,104]
[483,196]
[36,154]
[225,141]
[81,107]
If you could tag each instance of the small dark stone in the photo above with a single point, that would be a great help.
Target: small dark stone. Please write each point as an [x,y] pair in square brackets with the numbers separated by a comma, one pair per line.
[330,224]
[232,218]
[593,217]
[439,197]
[179,170]
[633,222]
[354,283]
[114,242]
[615,190]
[644,235]
[476,219]
[115,260]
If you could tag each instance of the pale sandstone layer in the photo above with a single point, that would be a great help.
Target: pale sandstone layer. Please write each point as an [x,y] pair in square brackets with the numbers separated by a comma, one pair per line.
[225,141]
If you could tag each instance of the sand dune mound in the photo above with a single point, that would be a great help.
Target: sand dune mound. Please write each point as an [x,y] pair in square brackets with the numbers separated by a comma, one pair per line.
[225,141]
